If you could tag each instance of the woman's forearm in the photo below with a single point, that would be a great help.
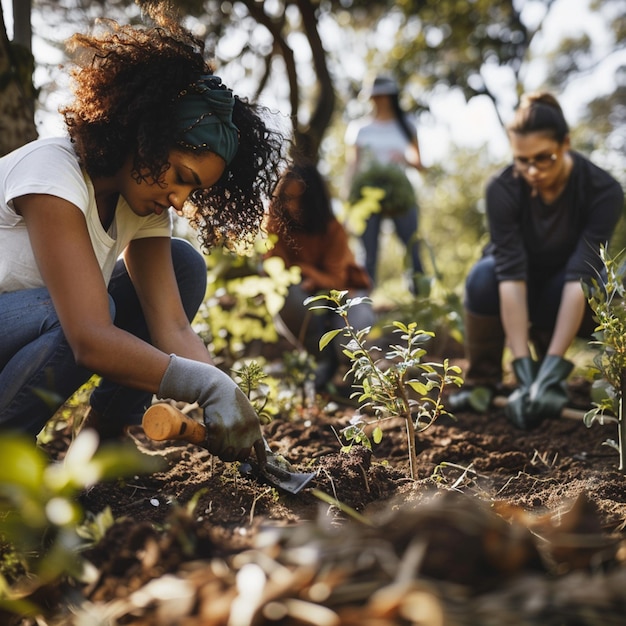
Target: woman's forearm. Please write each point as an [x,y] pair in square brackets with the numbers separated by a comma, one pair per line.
[569,318]
[514,315]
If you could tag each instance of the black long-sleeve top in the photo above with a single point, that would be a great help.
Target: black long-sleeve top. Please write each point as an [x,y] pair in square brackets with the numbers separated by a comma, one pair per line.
[528,236]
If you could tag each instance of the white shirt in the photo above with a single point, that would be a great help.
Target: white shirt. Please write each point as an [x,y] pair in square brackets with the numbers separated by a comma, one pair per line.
[50,166]
[382,141]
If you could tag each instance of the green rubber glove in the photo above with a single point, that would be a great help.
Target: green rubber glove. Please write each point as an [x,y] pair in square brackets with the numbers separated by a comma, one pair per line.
[516,408]
[232,424]
[475,399]
[548,393]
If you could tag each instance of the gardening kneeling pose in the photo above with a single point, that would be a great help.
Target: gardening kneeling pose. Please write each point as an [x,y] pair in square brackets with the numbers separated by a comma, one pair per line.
[549,214]
[91,279]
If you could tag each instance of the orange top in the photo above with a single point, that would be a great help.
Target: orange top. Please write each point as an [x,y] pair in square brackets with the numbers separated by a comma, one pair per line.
[324,258]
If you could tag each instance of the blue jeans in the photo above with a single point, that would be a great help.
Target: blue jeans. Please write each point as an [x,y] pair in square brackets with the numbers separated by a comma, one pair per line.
[37,368]
[544,296]
[406,229]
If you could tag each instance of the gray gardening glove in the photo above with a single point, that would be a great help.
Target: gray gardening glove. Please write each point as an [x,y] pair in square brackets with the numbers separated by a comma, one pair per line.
[232,424]
[548,393]
[516,409]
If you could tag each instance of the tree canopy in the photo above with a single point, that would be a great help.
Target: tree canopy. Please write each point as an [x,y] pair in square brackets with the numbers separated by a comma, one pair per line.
[310,57]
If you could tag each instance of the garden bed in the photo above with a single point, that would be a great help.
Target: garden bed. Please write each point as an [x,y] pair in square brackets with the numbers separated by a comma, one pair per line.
[501,527]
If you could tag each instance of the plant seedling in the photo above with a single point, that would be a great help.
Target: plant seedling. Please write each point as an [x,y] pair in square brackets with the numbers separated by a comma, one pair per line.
[606,299]
[390,392]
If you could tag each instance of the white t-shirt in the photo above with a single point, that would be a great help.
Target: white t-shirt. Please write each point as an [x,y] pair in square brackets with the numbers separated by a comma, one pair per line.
[50,166]
[382,141]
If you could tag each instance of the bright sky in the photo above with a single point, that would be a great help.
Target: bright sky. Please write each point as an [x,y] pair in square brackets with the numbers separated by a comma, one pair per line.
[475,123]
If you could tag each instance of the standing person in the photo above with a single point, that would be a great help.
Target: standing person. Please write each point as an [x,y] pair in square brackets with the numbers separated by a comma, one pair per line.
[549,213]
[150,129]
[309,236]
[380,148]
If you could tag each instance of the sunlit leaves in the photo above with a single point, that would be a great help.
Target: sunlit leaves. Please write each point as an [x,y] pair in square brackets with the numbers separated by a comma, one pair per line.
[606,299]
[244,297]
[401,385]
[39,509]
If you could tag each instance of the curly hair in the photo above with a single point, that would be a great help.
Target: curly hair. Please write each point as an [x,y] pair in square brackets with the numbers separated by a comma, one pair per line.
[315,202]
[126,81]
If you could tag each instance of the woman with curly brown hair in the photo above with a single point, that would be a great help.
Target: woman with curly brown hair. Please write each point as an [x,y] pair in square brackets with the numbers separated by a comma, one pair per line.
[91,280]
[309,236]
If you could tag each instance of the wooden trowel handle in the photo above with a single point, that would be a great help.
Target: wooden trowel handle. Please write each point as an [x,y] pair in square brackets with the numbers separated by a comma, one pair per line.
[163,421]
[569,413]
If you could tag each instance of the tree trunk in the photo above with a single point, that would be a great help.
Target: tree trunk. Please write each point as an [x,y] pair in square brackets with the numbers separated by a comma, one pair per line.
[17,94]
[22,28]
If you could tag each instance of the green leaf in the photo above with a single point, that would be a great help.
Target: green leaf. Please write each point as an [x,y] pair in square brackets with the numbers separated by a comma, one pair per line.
[590,417]
[22,462]
[419,388]
[311,299]
[480,399]
[328,337]
[377,435]
[274,302]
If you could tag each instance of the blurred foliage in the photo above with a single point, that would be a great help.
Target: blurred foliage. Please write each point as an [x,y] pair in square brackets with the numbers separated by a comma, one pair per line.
[40,515]
[453,223]
[434,308]
[244,295]
[356,211]
[67,412]
[452,230]
[399,195]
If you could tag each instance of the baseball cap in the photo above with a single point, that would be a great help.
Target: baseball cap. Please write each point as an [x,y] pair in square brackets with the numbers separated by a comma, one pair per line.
[383,86]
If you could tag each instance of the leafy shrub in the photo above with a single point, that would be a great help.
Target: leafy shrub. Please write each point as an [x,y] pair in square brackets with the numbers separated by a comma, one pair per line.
[388,386]
[399,195]
[244,295]
[607,302]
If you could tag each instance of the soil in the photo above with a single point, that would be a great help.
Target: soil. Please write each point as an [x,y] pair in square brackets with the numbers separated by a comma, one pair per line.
[501,527]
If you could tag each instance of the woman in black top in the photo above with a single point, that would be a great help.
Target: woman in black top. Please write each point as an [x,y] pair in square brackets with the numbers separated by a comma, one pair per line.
[549,213]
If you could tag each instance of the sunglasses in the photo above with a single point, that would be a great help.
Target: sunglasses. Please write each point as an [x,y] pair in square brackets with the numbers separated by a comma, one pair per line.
[540,162]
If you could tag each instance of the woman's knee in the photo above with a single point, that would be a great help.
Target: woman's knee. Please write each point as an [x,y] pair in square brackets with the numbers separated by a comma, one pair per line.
[191,275]
[481,288]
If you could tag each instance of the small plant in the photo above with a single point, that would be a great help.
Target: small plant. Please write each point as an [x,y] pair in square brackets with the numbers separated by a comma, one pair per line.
[390,392]
[250,377]
[299,376]
[606,299]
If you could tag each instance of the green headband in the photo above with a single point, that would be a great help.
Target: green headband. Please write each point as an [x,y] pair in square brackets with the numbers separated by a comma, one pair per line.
[204,115]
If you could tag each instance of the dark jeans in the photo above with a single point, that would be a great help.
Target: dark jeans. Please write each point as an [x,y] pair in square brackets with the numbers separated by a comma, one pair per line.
[406,228]
[37,368]
[544,296]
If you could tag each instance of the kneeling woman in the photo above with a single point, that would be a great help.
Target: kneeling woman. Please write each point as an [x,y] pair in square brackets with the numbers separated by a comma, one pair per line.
[90,279]
[549,213]
[310,237]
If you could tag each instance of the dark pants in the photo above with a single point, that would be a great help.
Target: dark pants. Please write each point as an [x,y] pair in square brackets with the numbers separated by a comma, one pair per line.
[406,226]
[544,296]
[37,368]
